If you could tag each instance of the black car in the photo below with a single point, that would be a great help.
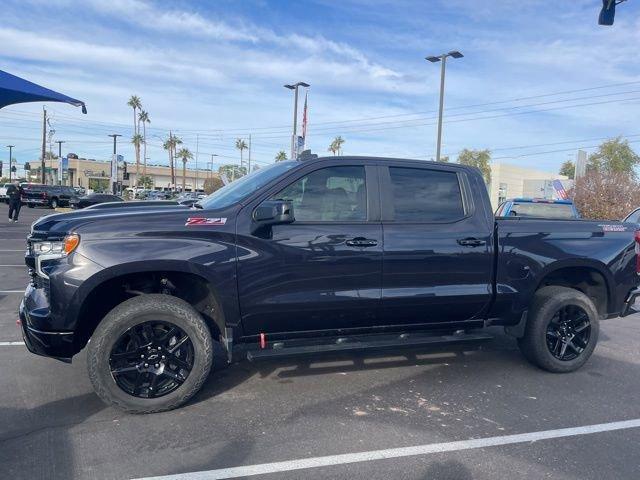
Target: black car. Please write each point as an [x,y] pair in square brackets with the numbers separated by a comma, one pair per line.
[52,196]
[303,257]
[94,199]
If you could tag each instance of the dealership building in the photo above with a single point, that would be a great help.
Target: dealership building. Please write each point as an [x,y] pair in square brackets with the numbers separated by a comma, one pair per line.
[95,174]
[511,181]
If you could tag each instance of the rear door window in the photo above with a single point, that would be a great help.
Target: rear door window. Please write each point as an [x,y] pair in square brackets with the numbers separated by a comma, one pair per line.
[424,195]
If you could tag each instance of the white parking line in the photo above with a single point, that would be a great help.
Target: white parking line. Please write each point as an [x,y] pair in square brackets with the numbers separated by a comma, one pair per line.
[315,462]
[12,265]
[21,250]
[10,344]
[11,291]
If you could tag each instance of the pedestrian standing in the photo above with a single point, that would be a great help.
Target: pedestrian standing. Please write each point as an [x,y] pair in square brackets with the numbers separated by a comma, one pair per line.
[14,192]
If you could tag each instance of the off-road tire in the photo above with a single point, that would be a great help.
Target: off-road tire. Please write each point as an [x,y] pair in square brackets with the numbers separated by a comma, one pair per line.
[546,302]
[138,310]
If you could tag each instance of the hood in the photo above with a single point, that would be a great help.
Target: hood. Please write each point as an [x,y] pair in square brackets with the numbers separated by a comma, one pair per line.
[59,224]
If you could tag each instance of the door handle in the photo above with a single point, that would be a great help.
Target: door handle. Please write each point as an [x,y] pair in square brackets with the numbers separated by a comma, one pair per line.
[471,242]
[361,242]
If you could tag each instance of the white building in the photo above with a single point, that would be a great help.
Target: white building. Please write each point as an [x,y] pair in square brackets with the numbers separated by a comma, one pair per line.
[509,181]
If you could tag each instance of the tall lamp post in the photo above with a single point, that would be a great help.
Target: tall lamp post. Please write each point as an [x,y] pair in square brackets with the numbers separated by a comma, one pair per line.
[60,142]
[294,87]
[442,58]
[114,180]
[10,147]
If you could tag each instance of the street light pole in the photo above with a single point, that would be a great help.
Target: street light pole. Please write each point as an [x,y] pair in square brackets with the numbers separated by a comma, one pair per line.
[442,58]
[10,147]
[114,182]
[294,87]
[60,142]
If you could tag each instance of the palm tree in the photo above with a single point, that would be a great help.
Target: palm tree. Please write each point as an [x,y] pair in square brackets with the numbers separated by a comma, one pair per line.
[137,140]
[281,156]
[144,118]
[336,145]
[135,103]
[170,145]
[185,155]
[240,145]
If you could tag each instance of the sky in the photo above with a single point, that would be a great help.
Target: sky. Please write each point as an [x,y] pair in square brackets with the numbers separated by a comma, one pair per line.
[539,78]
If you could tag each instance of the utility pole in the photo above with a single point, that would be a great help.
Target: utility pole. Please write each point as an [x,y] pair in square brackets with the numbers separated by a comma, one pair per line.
[10,147]
[295,87]
[442,58]
[44,142]
[249,170]
[195,187]
[60,142]
[114,181]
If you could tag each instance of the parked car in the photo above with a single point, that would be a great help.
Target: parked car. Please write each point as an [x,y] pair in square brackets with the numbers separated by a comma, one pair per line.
[133,205]
[633,217]
[3,192]
[52,196]
[537,208]
[93,199]
[302,257]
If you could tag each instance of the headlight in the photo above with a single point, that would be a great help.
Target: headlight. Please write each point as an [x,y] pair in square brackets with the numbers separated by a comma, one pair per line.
[60,248]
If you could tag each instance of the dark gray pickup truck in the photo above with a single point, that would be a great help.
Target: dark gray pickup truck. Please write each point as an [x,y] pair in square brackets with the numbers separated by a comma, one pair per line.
[328,254]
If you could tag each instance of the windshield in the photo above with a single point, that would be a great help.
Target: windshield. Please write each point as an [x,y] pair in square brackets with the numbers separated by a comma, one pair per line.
[236,191]
[542,210]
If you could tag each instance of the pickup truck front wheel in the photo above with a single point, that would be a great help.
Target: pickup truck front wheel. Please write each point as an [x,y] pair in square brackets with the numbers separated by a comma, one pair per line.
[149,354]
[562,329]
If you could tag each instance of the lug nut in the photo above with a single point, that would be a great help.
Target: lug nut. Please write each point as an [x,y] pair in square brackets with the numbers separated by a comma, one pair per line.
[146,364]
[157,365]
[163,357]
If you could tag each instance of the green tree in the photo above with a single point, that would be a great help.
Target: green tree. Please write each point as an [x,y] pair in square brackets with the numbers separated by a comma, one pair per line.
[568,169]
[185,154]
[336,145]
[146,181]
[614,156]
[212,184]
[137,141]
[143,117]
[242,146]
[281,156]
[480,159]
[232,171]
[136,104]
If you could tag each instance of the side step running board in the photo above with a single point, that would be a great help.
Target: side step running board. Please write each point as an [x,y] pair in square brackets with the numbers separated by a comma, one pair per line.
[374,342]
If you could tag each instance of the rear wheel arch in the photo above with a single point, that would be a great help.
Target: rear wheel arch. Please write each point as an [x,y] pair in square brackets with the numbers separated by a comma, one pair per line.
[590,279]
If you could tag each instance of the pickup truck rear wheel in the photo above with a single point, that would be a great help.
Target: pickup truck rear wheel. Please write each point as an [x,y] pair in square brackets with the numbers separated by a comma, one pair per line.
[149,354]
[562,329]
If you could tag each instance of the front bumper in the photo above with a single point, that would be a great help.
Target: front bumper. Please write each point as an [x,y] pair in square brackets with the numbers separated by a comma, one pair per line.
[630,307]
[34,312]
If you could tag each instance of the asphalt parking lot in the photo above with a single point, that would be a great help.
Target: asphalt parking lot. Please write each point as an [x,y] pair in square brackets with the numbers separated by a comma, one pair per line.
[309,413]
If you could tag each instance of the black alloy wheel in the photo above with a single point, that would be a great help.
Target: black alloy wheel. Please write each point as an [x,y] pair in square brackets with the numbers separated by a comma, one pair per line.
[568,333]
[151,359]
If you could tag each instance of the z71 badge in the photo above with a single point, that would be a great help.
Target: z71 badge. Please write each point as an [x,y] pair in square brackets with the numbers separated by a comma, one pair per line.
[191,221]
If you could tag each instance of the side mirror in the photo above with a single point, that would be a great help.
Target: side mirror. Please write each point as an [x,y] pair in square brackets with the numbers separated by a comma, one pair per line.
[273,212]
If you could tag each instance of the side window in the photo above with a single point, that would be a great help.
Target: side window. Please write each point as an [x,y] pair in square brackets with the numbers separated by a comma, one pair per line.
[421,195]
[330,194]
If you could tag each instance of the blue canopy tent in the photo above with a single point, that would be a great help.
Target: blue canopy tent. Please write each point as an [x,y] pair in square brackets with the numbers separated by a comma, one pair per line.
[18,90]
